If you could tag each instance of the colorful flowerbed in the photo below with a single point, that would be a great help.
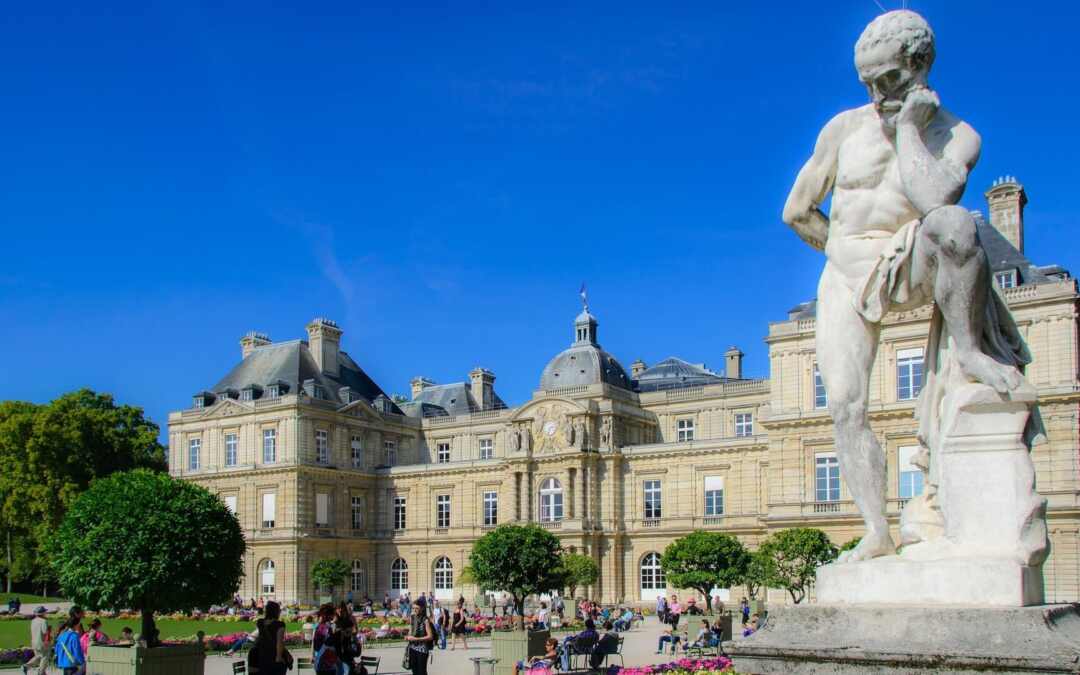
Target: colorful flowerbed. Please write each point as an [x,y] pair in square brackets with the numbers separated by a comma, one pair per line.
[15,656]
[713,666]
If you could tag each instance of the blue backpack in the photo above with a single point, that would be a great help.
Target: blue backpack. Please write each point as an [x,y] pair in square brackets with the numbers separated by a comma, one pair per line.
[326,656]
[68,650]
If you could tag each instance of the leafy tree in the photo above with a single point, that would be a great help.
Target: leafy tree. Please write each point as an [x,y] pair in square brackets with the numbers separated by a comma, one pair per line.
[521,560]
[850,544]
[146,541]
[704,561]
[329,573]
[50,453]
[580,570]
[758,568]
[793,558]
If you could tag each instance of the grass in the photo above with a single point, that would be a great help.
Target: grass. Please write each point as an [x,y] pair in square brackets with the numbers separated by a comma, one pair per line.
[27,599]
[17,633]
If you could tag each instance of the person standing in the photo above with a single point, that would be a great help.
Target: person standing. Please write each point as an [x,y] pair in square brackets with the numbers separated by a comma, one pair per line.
[744,610]
[40,642]
[420,639]
[457,626]
[661,608]
[271,656]
[69,654]
[441,619]
[674,611]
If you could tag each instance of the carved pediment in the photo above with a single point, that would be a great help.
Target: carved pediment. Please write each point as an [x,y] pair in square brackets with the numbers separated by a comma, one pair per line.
[359,409]
[226,408]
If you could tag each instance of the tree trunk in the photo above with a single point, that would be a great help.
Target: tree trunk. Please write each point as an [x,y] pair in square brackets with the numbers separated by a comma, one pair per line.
[9,561]
[149,630]
[708,602]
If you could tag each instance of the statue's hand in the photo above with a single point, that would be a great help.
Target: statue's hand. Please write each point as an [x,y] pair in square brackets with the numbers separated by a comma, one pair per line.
[919,108]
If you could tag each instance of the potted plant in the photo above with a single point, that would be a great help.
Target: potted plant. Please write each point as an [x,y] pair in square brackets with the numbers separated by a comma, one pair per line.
[144,541]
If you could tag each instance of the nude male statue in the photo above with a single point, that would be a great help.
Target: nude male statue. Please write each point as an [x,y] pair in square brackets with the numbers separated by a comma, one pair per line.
[894,240]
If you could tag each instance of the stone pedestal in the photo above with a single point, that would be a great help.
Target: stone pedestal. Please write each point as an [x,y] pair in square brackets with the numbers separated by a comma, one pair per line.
[820,639]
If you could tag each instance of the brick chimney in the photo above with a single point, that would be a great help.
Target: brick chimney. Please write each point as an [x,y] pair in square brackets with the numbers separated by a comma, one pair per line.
[482,383]
[1006,199]
[419,384]
[733,363]
[324,341]
[251,341]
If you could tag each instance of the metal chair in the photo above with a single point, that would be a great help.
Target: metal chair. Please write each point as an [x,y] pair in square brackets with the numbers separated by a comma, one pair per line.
[581,647]
[305,663]
[239,667]
[371,664]
[617,652]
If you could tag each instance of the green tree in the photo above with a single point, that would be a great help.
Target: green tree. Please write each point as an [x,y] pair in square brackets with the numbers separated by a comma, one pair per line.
[50,453]
[704,561]
[758,569]
[850,544]
[521,560]
[145,541]
[579,570]
[793,557]
[330,573]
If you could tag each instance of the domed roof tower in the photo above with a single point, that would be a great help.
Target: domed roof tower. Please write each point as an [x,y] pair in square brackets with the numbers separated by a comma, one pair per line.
[584,363]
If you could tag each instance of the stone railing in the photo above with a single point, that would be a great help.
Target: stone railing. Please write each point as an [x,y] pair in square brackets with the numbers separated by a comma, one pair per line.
[551,524]
[650,522]
[712,520]
[563,391]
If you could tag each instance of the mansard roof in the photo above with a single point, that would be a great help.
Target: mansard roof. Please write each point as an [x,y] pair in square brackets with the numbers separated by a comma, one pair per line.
[439,400]
[673,373]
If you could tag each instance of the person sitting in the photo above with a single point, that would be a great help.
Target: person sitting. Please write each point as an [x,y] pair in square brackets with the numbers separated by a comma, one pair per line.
[582,643]
[751,627]
[703,639]
[625,619]
[669,636]
[94,636]
[607,644]
[127,637]
[384,631]
[551,653]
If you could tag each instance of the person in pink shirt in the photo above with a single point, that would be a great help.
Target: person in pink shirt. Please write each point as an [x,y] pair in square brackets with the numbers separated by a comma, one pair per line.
[94,636]
[674,611]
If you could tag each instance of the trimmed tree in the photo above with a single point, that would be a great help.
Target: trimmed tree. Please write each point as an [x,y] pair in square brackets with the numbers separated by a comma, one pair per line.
[145,541]
[521,560]
[793,557]
[852,543]
[580,570]
[330,573]
[704,561]
[758,569]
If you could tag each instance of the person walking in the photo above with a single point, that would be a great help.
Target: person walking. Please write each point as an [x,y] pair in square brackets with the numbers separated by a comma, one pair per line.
[674,611]
[69,654]
[441,619]
[40,643]
[326,643]
[419,641]
[457,626]
[270,653]
[744,609]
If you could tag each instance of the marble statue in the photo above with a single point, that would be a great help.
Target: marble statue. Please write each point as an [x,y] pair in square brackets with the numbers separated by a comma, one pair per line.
[515,440]
[896,239]
[606,429]
[582,435]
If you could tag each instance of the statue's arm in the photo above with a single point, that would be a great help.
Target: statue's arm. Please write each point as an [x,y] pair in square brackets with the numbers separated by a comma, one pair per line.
[932,181]
[802,211]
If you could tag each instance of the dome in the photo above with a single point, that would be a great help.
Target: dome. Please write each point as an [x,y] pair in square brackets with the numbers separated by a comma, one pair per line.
[584,363]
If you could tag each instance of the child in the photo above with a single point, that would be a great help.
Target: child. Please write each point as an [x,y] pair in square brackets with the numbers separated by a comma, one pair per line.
[551,652]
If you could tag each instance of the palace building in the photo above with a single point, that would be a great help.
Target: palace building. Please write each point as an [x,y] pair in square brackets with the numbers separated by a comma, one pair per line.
[318,461]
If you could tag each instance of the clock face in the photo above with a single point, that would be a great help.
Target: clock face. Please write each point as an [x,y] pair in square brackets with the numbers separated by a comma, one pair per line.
[550,428]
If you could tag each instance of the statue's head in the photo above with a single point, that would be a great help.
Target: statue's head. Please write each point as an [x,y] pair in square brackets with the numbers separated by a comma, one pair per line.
[893,57]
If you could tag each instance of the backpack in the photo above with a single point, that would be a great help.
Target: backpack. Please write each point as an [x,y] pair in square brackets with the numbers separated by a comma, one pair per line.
[68,650]
[326,656]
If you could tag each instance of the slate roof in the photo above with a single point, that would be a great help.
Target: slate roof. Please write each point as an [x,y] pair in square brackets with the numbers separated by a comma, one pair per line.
[446,399]
[291,363]
[584,364]
[674,373]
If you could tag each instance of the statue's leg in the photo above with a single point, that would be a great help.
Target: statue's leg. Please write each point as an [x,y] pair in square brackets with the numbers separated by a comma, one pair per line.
[949,259]
[846,346]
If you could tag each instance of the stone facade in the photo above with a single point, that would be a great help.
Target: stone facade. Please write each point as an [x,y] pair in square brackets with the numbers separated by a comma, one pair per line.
[615,468]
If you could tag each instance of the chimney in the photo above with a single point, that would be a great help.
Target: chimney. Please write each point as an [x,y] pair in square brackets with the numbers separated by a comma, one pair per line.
[324,341]
[419,384]
[733,363]
[250,341]
[482,383]
[637,368]
[1006,199]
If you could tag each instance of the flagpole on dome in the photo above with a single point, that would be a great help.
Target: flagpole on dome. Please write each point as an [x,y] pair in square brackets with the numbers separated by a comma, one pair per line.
[584,297]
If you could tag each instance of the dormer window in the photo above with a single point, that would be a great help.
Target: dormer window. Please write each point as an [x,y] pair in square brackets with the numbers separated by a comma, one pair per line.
[202,400]
[274,390]
[1005,279]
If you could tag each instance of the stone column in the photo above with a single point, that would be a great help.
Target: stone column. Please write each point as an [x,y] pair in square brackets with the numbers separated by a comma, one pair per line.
[579,493]
[515,498]
[523,496]
[567,479]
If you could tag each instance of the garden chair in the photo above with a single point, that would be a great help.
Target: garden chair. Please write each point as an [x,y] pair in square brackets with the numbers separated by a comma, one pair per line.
[617,652]
[239,667]
[371,664]
[581,647]
[305,663]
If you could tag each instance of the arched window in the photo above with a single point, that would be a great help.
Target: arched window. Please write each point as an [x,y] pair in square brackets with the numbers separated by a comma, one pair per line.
[267,577]
[551,501]
[399,575]
[652,576]
[359,579]
[444,577]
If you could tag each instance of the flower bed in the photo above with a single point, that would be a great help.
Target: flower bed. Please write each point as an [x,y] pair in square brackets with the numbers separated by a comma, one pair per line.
[713,666]
[15,656]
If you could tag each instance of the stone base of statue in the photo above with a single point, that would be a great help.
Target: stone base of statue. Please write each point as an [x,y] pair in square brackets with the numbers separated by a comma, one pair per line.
[842,640]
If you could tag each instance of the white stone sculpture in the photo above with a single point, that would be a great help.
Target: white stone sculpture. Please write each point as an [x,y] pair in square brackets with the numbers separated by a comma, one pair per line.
[895,239]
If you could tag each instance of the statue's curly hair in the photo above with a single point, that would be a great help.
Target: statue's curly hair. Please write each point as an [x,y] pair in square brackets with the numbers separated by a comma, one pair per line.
[908,30]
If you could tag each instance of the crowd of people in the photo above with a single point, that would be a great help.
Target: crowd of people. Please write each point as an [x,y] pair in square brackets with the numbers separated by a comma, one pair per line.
[70,643]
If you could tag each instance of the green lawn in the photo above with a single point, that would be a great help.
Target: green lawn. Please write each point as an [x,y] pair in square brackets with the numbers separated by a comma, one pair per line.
[27,599]
[17,633]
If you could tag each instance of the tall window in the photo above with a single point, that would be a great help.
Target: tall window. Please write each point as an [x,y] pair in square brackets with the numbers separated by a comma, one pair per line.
[232,446]
[399,575]
[821,400]
[269,509]
[269,446]
[486,448]
[359,578]
[322,509]
[714,495]
[444,574]
[652,575]
[322,448]
[267,577]
[826,477]
[194,447]
[442,453]
[390,449]
[652,499]
[685,430]
[357,448]
[551,501]
[491,508]
[399,513]
[357,504]
[911,476]
[230,503]
[744,424]
[909,372]
[442,511]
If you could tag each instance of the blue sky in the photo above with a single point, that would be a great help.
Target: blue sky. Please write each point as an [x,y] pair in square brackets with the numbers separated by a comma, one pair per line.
[441,180]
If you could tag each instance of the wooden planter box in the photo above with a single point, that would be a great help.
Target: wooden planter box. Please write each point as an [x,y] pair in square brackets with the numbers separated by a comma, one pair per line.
[170,660]
[509,647]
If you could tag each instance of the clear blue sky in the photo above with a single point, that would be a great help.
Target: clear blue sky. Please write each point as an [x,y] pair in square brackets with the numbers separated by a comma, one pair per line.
[440,181]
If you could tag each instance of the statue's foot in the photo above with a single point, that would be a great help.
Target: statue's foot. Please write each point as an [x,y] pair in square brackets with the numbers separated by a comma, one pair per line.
[873,545]
[981,368]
